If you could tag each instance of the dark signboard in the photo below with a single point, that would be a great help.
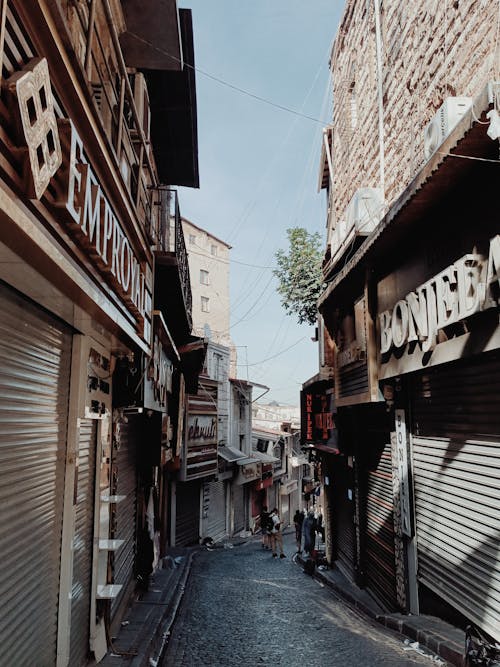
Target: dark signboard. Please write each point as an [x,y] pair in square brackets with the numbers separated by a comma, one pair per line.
[317,417]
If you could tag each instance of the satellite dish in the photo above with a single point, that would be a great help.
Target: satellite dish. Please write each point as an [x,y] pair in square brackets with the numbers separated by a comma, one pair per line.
[207,332]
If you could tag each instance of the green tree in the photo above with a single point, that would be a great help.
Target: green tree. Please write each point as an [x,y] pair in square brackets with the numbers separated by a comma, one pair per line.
[299,274]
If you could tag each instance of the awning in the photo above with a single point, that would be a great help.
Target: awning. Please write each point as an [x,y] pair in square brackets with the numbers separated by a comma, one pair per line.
[174,116]
[152,37]
[231,454]
[246,461]
[265,458]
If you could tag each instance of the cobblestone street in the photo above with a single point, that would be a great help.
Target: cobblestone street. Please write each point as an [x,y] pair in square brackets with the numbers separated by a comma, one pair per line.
[242,607]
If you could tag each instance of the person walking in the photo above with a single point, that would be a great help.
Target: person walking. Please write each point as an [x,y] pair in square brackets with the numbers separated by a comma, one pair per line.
[265,527]
[308,530]
[276,534]
[298,519]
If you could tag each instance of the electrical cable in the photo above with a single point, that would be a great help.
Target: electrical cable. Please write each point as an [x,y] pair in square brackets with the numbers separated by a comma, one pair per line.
[226,83]
[258,363]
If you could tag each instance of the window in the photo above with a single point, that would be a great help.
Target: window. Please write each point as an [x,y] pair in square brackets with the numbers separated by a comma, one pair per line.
[205,304]
[204,277]
[192,239]
[213,250]
[262,445]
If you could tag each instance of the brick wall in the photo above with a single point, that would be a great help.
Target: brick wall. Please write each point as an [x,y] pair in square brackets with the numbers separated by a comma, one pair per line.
[431,49]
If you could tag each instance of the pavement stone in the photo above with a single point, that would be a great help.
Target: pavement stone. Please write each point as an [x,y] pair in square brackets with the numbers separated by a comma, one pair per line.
[440,637]
[146,624]
[147,635]
[244,608]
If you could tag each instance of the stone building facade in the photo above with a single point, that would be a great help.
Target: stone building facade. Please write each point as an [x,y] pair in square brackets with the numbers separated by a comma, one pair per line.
[410,307]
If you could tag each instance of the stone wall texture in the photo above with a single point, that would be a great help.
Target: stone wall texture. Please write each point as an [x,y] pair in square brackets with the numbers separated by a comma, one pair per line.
[431,49]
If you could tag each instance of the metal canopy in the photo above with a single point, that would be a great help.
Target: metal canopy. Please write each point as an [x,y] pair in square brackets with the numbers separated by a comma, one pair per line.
[152,39]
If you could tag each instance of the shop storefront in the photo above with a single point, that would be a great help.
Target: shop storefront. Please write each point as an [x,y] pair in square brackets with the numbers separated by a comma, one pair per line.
[75,294]
[443,340]
[199,466]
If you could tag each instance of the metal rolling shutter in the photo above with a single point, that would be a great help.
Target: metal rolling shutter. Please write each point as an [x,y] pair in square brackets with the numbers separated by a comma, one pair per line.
[215,526]
[82,544]
[123,525]
[187,525]
[34,385]
[343,510]
[239,507]
[456,459]
[380,561]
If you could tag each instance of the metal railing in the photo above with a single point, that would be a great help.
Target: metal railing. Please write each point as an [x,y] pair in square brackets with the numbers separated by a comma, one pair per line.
[167,236]
[120,99]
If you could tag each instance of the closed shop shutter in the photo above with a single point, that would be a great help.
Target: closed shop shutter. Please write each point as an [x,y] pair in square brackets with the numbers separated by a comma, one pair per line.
[34,384]
[456,460]
[83,543]
[214,511]
[380,565]
[239,507]
[124,514]
[187,524]
[343,512]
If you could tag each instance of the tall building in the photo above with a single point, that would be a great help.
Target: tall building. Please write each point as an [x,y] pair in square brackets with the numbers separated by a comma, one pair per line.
[209,268]
[405,419]
[97,125]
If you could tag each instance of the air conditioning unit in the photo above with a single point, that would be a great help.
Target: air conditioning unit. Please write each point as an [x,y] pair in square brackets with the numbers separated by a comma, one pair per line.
[362,215]
[364,211]
[443,122]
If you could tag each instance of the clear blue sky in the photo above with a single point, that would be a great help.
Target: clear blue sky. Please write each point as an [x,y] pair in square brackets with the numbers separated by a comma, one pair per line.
[259,163]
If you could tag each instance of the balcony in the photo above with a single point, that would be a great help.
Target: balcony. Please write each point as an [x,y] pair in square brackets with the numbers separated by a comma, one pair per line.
[119,95]
[172,282]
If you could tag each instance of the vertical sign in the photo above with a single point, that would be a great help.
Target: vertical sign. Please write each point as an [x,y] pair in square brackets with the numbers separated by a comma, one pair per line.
[404,490]
[317,418]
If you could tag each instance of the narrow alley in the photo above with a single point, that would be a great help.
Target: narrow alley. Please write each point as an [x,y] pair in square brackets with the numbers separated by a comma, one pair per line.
[242,607]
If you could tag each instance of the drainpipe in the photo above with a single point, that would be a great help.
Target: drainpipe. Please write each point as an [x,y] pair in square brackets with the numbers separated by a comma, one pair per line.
[378,41]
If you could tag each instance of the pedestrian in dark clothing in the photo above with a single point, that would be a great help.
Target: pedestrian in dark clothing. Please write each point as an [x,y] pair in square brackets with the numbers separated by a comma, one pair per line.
[265,527]
[308,530]
[298,520]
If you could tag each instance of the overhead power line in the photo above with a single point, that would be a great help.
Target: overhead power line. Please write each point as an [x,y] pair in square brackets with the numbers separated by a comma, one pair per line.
[232,86]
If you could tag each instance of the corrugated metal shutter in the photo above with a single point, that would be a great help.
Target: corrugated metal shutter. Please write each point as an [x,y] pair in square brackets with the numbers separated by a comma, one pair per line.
[353,379]
[214,524]
[380,564]
[34,383]
[83,544]
[343,512]
[456,460]
[187,525]
[239,507]
[123,523]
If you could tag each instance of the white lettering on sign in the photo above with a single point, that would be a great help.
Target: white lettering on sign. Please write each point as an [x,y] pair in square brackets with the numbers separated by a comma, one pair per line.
[462,289]
[91,211]
[31,87]
[404,490]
